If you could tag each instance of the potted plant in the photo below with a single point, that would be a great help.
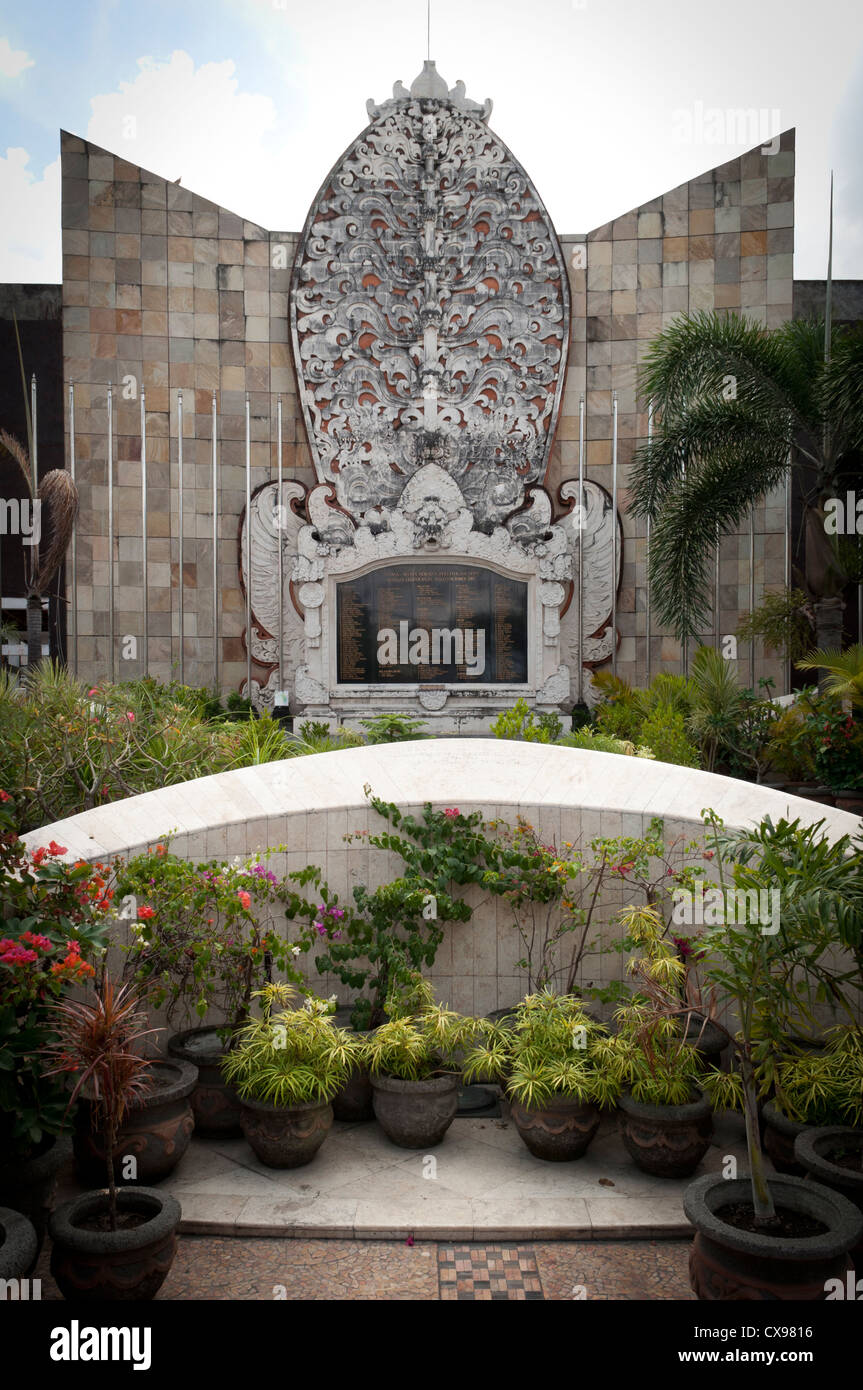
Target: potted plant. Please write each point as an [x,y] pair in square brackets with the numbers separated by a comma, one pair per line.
[812,1088]
[665,1119]
[53,927]
[758,1236]
[411,1058]
[115,1243]
[154,1134]
[286,1067]
[197,943]
[833,1157]
[549,1058]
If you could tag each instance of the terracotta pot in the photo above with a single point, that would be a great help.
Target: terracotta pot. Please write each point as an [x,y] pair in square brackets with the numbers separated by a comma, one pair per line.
[215,1104]
[289,1136]
[666,1140]
[558,1132]
[815,1151]
[155,1133]
[726,1263]
[124,1265]
[415,1114]
[29,1185]
[19,1245]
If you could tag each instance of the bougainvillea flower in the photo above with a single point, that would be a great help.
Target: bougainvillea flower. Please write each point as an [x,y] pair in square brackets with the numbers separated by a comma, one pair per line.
[4,796]
[452,812]
[145,912]
[56,850]
[245,899]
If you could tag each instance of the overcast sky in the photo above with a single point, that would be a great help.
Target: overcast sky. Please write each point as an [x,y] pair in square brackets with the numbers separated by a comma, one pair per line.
[607,103]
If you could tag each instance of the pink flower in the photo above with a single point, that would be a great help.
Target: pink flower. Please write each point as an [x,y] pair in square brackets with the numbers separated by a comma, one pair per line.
[450,814]
[4,796]
[94,691]
[245,899]
[130,717]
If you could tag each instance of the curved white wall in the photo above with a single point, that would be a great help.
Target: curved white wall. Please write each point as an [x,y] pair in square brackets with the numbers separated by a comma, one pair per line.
[308,804]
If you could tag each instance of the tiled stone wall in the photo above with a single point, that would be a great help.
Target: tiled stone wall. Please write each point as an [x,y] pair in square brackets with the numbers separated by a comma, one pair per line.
[169,291]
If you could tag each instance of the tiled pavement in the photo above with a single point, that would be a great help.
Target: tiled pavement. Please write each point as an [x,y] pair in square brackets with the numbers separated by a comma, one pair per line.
[225,1268]
[480,1184]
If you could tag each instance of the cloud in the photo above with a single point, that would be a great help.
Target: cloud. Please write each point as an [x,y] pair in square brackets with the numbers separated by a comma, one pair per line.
[196,124]
[13,61]
[30,247]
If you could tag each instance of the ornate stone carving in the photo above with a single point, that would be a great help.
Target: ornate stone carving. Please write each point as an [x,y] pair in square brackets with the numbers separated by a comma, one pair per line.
[430,310]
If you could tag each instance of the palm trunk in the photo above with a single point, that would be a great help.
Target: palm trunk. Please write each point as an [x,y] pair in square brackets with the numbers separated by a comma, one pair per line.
[829,622]
[34,630]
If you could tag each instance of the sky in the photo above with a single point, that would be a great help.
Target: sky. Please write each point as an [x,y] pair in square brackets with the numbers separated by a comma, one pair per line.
[607,103]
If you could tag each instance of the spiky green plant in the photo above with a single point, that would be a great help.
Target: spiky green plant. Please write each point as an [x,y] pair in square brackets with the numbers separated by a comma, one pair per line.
[844,671]
[290,1057]
[421,1039]
[550,1047]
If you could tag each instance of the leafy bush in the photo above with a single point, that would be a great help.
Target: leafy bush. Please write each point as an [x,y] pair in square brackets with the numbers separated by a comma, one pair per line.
[664,732]
[550,1047]
[521,722]
[420,1038]
[393,728]
[292,1057]
[784,622]
[598,741]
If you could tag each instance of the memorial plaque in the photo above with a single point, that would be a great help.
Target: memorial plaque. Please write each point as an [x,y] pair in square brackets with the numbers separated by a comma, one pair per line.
[432,624]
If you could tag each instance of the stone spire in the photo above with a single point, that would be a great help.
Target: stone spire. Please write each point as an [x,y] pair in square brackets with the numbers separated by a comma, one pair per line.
[430,86]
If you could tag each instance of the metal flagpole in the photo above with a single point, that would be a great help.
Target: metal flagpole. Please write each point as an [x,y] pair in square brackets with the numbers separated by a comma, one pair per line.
[34,426]
[215,554]
[581,533]
[74,576]
[614,534]
[180,525]
[248,550]
[752,594]
[788,556]
[647,616]
[144,538]
[280,528]
[110,533]
[716,602]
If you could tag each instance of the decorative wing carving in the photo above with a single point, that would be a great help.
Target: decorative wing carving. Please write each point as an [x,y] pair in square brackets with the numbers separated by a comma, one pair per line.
[430,310]
[273,525]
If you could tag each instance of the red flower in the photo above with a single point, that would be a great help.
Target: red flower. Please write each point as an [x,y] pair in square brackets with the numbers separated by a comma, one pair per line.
[4,796]
[452,813]
[244,898]
[145,912]
[38,855]
[35,939]
[56,850]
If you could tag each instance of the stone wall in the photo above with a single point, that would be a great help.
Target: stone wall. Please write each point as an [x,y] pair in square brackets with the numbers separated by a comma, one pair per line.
[163,290]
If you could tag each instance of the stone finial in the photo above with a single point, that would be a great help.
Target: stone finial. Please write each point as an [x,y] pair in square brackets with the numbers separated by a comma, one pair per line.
[430,86]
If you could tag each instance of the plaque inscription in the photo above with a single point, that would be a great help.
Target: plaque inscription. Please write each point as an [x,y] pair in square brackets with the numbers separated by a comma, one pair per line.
[439,624]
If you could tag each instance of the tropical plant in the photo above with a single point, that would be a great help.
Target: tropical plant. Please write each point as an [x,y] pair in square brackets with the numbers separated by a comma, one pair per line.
[97,1045]
[734,402]
[549,1046]
[256,741]
[784,622]
[290,1057]
[822,1086]
[197,941]
[393,728]
[597,741]
[521,722]
[420,1039]
[843,672]
[838,741]
[53,923]
[771,973]
[664,732]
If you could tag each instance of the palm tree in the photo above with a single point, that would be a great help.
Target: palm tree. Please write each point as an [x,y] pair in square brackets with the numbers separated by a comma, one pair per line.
[57,496]
[843,671]
[736,406]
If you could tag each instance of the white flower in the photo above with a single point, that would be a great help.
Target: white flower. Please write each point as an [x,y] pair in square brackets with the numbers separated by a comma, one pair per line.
[295,950]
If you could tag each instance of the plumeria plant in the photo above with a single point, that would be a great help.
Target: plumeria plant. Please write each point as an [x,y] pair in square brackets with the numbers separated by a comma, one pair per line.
[53,927]
[197,938]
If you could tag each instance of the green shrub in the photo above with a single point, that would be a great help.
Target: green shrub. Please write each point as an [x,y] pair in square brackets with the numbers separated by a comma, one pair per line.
[665,733]
[521,722]
[393,728]
[601,742]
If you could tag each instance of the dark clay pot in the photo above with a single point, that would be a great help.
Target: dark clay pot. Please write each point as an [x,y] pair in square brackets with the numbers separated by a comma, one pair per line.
[286,1137]
[91,1266]
[846,799]
[156,1132]
[815,1151]
[729,1264]
[560,1131]
[354,1101]
[29,1185]
[780,1136]
[708,1040]
[19,1245]
[215,1104]
[666,1140]
[415,1114]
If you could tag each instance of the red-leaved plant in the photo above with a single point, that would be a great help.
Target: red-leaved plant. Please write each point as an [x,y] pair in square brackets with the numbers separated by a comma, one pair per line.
[97,1044]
